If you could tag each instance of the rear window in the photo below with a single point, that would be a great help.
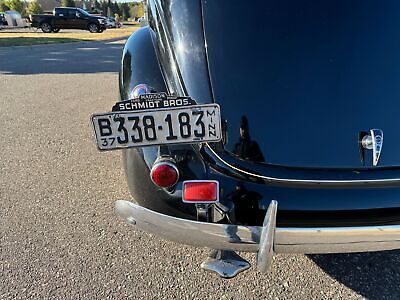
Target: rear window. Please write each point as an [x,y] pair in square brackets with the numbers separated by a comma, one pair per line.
[65,12]
[59,12]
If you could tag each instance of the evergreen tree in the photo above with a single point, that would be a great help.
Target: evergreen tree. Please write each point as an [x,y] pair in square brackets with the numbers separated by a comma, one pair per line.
[124,8]
[104,7]
[115,9]
[109,9]
[97,5]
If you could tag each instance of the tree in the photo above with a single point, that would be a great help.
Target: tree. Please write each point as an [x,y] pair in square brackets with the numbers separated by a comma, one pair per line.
[17,5]
[104,7]
[136,10]
[34,8]
[124,8]
[68,3]
[97,5]
[115,9]
[3,6]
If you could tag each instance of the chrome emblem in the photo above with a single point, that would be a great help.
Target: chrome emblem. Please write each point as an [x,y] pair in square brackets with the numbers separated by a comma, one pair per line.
[373,141]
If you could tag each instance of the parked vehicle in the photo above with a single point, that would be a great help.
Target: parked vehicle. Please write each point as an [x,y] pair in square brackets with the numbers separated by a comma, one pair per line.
[3,20]
[264,137]
[69,18]
[11,19]
[112,23]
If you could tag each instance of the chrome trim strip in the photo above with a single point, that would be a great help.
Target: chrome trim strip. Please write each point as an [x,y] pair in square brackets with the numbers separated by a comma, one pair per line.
[307,181]
[247,238]
[377,143]
[338,239]
[266,250]
[215,236]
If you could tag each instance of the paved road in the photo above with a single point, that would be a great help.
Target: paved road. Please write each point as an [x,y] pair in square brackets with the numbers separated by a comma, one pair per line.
[59,237]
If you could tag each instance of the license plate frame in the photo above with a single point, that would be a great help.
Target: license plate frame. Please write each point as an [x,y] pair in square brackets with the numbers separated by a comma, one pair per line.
[211,119]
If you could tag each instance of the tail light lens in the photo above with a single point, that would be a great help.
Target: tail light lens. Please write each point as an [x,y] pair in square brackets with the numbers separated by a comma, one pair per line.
[164,174]
[200,191]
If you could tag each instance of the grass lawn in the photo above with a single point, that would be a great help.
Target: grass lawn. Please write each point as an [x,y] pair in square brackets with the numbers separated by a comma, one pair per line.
[34,38]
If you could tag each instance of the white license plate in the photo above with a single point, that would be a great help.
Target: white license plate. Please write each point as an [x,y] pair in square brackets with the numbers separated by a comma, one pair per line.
[191,124]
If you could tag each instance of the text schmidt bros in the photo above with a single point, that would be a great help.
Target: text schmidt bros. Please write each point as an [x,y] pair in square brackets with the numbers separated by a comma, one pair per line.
[153,103]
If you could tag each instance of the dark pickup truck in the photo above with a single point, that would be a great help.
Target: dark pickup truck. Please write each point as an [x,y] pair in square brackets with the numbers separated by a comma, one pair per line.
[69,18]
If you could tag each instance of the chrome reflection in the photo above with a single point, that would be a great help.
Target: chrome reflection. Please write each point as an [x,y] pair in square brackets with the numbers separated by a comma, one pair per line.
[202,234]
[226,264]
[264,255]
[247,238]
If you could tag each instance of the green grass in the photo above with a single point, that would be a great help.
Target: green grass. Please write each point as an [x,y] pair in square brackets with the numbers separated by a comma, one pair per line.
[25,41]
[38,37]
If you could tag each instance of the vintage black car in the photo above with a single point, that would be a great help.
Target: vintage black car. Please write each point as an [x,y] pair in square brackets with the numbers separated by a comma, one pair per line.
[69,18]
[264,135]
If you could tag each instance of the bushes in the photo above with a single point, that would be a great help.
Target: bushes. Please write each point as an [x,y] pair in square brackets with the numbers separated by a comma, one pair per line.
[3,6]
[68,3]
[34,8]
[16,5]
[24,8]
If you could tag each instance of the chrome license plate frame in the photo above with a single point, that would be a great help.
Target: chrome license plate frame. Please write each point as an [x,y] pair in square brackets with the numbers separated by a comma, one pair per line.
[162,126]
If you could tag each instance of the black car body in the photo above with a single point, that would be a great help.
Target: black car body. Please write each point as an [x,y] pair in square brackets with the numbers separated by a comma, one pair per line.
[305,89]
[69,18]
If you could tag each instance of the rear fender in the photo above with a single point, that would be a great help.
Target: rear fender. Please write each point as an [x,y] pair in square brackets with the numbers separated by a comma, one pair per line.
[140,65]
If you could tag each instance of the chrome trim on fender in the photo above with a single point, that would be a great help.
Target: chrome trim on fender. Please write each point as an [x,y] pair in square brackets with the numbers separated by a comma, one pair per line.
[307,182]
[247,238]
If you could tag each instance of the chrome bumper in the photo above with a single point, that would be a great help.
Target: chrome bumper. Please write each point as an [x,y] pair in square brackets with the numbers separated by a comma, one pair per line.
[261,239]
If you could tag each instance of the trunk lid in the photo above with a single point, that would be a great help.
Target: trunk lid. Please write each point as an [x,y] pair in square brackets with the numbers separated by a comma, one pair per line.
[299,80]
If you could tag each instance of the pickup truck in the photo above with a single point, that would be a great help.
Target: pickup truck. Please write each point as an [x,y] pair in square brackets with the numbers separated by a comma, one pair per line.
[69,18]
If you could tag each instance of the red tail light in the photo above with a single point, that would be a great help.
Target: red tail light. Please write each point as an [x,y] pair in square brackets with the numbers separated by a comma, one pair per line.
[164,174]
[200,191]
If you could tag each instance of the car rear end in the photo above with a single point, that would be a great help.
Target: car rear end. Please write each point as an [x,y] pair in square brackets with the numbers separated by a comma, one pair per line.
[307,161]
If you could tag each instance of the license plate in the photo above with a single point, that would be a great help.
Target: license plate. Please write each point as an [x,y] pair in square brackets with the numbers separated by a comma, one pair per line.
[191,124]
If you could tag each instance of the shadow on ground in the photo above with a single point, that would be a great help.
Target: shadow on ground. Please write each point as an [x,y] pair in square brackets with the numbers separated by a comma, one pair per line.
[374,275]
[72,58]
